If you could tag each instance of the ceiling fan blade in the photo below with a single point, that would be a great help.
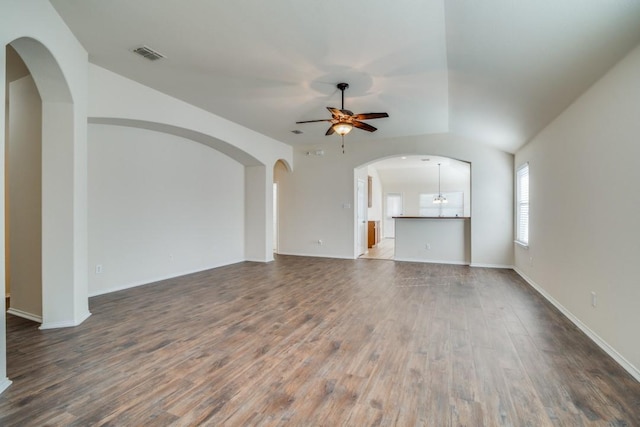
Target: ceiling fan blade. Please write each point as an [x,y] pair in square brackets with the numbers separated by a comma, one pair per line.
[363,126]
[369,116]
[336,113]
[314,121]
[330,131]
[347,112]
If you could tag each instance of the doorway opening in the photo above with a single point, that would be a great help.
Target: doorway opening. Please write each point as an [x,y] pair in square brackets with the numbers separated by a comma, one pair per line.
[23,191]
[280,169]
[275,217]
[409,187]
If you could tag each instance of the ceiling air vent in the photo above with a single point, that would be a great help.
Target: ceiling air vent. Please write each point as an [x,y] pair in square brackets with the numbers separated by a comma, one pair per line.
[148,53]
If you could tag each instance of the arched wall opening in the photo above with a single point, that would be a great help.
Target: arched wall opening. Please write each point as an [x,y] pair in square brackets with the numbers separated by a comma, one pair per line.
[23,191]
[429,195]
[319,204]
[64,300]
[64,297]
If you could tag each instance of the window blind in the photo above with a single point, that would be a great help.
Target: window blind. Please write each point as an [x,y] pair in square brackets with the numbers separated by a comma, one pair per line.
[522,220]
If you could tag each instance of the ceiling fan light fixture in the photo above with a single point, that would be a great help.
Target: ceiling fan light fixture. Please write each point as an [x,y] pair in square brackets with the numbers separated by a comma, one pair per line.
[343,120]
[342,128]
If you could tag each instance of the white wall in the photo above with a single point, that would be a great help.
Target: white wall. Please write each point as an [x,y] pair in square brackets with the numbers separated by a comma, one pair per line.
[159,206]
[585,205]
[314,195]
[258,196]
[410,182]
[24,199]
[442,240]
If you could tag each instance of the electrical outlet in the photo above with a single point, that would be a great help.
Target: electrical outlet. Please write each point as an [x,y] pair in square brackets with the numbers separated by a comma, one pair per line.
[98,268]
[428,246]
[594,299]
[320,242]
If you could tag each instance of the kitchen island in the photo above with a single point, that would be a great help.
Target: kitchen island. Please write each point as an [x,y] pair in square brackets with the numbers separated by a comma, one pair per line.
[444,240]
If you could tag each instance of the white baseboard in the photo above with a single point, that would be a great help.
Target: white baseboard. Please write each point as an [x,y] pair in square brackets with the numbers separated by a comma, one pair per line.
[158,279]
[57,325]
[628,366]
[4,383]
[316,255]
[65,323]
[482,265]
[430,261]
[262,261]
[24,314]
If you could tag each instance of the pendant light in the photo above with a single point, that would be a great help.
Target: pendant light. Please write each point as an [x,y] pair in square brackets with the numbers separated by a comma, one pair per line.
[439,198]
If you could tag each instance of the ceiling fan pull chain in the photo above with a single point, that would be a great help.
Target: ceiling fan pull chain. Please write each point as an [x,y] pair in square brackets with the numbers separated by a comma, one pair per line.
[342,144]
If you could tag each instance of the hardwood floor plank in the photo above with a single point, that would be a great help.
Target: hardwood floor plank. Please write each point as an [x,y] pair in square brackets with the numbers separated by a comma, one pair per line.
[313,341]
[466,413]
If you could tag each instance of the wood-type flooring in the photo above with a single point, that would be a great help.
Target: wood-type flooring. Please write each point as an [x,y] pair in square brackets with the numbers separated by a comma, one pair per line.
[318,342]
[385,249]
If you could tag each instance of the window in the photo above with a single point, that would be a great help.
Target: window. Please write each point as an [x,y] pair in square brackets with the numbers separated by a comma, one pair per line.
[522,205]
[453,207]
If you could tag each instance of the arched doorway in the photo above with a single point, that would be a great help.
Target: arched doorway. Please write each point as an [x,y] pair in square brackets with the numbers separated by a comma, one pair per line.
[23,191]
[406,186]
[64,290]
[63,200]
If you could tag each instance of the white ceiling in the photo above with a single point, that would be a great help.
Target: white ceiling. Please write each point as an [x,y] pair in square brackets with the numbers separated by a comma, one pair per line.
[411,162]
[423,169]
[496,71]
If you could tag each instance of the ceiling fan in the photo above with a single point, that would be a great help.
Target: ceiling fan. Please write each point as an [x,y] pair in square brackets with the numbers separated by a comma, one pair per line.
[342,121]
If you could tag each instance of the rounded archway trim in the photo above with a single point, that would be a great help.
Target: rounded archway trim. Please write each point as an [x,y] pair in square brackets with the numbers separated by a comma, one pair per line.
[217,144]
[44,68]
[286,164]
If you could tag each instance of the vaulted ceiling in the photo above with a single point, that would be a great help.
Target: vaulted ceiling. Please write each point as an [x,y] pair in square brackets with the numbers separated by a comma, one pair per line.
[495,71]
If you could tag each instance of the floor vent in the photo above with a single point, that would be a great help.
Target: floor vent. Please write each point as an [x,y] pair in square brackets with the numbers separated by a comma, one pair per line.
[148,53]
